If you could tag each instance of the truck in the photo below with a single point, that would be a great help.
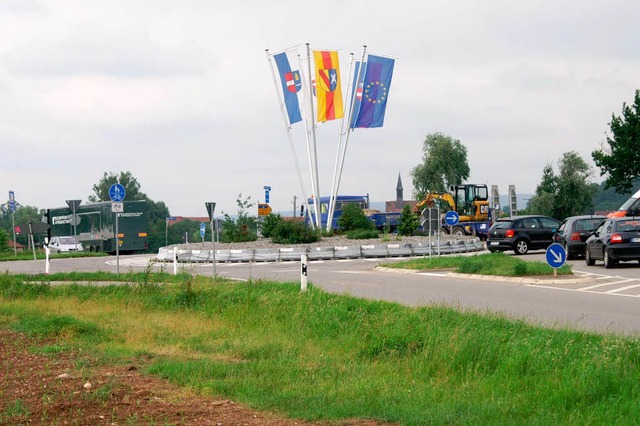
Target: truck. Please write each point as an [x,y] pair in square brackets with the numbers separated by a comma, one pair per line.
[470,201]
[380,219]
[95,226]
[631,207]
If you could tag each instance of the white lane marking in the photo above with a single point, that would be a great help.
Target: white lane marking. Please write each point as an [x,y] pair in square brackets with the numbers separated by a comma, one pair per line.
[617,290]
[606,293]
[432,274]
[603,285]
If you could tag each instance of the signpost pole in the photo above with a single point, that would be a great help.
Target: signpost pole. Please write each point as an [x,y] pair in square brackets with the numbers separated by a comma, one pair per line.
[12,209]
[117,194]
[211,208]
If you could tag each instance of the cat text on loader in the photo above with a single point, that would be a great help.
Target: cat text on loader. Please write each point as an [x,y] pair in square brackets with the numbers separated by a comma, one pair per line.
[470,201]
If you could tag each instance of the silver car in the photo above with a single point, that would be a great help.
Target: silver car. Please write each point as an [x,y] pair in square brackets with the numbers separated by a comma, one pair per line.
[64,244]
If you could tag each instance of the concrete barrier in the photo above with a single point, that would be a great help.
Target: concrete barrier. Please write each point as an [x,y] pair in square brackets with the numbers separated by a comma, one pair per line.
[292,253]
[347,252]
[320,253]
[266,255]
[240,255]
[374,250]
[399,250]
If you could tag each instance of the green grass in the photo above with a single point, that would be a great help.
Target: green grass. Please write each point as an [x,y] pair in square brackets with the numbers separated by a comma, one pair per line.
[320,356]
[28,255]
[484,264]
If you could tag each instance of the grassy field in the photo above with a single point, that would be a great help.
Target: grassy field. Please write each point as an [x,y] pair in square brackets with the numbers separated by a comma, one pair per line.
[28,255]
[484,264]
[316,355]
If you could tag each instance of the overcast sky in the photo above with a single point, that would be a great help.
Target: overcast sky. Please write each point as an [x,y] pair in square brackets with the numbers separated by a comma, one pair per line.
[180,93]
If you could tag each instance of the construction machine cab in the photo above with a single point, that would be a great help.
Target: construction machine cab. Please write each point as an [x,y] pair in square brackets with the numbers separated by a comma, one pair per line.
[471,201]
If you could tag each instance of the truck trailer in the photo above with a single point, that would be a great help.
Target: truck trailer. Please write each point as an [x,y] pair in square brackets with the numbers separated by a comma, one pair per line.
[95,226]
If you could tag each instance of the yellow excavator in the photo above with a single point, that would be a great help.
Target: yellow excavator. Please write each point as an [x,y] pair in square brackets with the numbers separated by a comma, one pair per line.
[470,201]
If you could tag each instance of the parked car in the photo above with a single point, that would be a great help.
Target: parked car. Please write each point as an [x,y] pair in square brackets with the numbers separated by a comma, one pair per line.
[574,231]
[616,239]
[64,244]
[522,233]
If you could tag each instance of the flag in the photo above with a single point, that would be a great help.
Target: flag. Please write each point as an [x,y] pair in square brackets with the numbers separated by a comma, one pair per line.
[357,92]
[328,85]
[291,81]
[369,112]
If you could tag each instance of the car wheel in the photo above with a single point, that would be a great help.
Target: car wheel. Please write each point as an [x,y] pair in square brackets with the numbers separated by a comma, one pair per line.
[587,257]
[570,255]
[608,262]
[521,247]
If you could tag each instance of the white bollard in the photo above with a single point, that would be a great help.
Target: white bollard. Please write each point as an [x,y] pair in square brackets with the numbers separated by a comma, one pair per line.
[175,261]
[303,273]
[47,261]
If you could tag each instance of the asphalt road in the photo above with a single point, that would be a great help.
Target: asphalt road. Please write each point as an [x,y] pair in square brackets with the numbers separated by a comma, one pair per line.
[596,299]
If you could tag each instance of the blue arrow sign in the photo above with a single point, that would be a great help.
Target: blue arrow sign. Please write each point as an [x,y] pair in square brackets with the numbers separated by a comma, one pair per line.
[203,229]
[117,193]
[556,255]
[451,218]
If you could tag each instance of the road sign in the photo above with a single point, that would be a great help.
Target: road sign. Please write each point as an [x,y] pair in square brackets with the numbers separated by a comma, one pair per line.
[451,218]
[263,209]
[117,207]
[12,201]
[266,194]
[203,229]
[211,208]
[171,218]
[117,192]
[556,255]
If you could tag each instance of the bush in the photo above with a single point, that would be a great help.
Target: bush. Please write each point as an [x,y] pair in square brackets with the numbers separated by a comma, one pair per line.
[408,222]
[353,218]
[362,234]
[293,232]
[270,223]
[4,241]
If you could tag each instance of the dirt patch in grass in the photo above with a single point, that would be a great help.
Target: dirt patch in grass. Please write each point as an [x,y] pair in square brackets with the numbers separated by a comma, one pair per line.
[42,384]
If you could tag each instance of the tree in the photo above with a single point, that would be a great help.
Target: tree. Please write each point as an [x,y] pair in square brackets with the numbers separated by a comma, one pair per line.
[566,194]
[243,227]
[408,221]
[444,163]
[4,241]
[353,218]
[126,179]
[621,160]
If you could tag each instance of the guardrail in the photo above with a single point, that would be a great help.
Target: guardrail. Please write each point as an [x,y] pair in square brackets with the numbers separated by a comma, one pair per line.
[322,253]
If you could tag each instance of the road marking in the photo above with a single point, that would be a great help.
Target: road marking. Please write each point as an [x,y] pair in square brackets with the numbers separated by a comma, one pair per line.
[432,274]
[617,290]
[603,285]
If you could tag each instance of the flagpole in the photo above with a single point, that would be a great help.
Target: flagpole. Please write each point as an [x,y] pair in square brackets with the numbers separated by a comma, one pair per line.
[289,137]
[333,194]
[353,102]
[315,150]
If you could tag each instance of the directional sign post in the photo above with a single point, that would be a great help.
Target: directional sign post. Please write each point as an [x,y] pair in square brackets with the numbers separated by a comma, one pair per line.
[117,194]
[203,229]
[451,218]
[211,208]
[556,256]
[12,209]
[266,193]
[264,209]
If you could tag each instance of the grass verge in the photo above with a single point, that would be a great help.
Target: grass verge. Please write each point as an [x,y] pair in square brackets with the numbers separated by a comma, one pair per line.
[484,264]
[319,356]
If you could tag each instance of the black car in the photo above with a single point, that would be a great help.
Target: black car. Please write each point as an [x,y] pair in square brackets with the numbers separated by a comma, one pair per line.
[574,231]
[616,239]
[522,233]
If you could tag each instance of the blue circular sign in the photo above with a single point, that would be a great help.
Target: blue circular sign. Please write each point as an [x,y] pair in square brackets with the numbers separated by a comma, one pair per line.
[451,218]
[203,229]
[117,192]
[556,255]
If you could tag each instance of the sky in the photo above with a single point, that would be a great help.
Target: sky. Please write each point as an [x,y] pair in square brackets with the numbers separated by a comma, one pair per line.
[181,94]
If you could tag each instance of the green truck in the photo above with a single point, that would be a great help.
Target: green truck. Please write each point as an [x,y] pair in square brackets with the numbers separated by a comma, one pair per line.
[95,226]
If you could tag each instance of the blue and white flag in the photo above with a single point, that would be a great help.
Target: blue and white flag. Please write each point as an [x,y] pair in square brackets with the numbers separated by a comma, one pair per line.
[291,81]
[372,92]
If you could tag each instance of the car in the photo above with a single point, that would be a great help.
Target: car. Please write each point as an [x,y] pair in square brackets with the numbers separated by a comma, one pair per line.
[616,239]
[522,233]
[574,231]
[64,244]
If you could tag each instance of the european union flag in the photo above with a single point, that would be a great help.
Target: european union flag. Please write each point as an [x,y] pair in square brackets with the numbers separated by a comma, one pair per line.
[374,91]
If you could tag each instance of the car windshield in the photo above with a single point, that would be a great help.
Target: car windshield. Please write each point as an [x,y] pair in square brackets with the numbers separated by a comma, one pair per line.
[587,224]
[67,240]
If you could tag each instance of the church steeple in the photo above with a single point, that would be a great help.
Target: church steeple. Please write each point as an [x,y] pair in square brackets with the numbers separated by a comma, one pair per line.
[399,196]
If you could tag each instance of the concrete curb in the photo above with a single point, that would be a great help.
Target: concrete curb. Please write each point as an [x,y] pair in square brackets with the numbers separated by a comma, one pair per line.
[321,253]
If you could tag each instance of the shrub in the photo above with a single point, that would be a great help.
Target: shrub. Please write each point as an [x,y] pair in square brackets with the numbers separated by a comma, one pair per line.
[270,223]
[353,218]
[4,241]
[362,234]
[408,222]
[293,232]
